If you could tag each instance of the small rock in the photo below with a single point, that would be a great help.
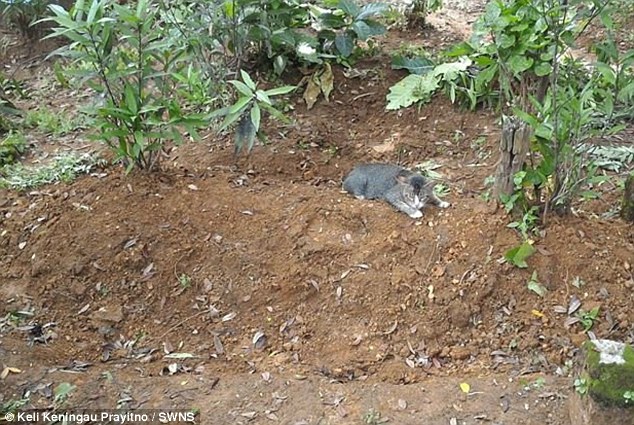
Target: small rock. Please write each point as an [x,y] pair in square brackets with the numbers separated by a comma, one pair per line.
[108,314]
[460,353]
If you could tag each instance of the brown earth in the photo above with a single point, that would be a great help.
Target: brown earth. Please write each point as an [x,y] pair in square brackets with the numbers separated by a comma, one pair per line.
[295,301]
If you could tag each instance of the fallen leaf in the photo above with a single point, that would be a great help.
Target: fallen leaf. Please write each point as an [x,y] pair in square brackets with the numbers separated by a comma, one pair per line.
[7,370]
[228,317]
[465,387]
[537,313]
[84,309]
[391,329]
[326,80]
[384,147]
[179,356]
[259,340]
[574,304]
[312,91]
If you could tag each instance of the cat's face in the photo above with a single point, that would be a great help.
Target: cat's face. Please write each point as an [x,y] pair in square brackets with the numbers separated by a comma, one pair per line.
[414,196]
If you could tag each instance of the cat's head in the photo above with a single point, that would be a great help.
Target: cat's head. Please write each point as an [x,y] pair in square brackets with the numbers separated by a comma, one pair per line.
[415,188]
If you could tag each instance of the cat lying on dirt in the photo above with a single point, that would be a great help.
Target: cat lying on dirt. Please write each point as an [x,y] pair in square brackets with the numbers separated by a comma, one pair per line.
[405,190]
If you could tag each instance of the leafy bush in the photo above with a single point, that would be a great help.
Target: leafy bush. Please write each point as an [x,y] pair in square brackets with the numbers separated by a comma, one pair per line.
[279,32]
[23,14]
[517,61]
[247,110]
[139,64]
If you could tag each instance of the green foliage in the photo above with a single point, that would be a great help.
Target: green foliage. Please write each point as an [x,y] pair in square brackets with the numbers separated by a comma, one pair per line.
[535,286]
[519,254]
[581,386]
[417,88]
[277,32]
[52,123]
[140,64]
[13,87]
[12,146]
[247,110]
[346,23]
[587,318]
[23,15]
[62,392]
[13,406]
[62,168]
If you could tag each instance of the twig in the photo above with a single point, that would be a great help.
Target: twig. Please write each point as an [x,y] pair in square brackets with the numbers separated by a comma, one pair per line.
[182,322]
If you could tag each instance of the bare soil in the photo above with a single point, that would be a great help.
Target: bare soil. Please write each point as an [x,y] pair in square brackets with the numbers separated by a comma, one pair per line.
[295,303]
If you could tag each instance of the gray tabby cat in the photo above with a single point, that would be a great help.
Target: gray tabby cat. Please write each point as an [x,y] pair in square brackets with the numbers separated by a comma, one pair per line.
[405,190]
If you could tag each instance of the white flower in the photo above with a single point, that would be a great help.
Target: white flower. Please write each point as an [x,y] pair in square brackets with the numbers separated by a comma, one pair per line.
[305,49]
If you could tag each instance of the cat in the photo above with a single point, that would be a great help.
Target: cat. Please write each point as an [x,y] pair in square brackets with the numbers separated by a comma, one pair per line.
[405,190]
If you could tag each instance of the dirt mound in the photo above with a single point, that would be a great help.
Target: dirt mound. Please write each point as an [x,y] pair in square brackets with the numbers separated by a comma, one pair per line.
[264,265]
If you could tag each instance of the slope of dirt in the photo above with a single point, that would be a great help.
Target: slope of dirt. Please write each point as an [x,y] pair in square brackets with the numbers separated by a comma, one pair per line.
[291,296]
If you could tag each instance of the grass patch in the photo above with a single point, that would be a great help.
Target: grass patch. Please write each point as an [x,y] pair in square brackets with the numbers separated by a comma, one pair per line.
[11,147]
[62,168]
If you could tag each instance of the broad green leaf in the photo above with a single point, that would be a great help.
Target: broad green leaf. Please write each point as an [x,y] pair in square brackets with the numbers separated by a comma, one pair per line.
[535,286]
[228,8]
[277,114]
[131,100]
[255,117]
[361,29]
[607,72]
[242,88]
[519,64]
[141,9]
[263,97]
[518,255]
[344,44]
[372,10]
[411,89]
[94,8]
[460,49]
[230,119]
[349,7]
[330,20]
[247,80]
[417,65]
[506,40]
[543,69]
[280,90]
[451,70]
[239,105]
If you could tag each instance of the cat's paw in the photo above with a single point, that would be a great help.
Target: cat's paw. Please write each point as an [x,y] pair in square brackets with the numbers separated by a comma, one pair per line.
[444,204]
[416,214]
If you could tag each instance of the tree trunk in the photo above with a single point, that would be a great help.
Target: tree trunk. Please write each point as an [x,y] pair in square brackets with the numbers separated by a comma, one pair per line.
[627,208]
[514,146]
